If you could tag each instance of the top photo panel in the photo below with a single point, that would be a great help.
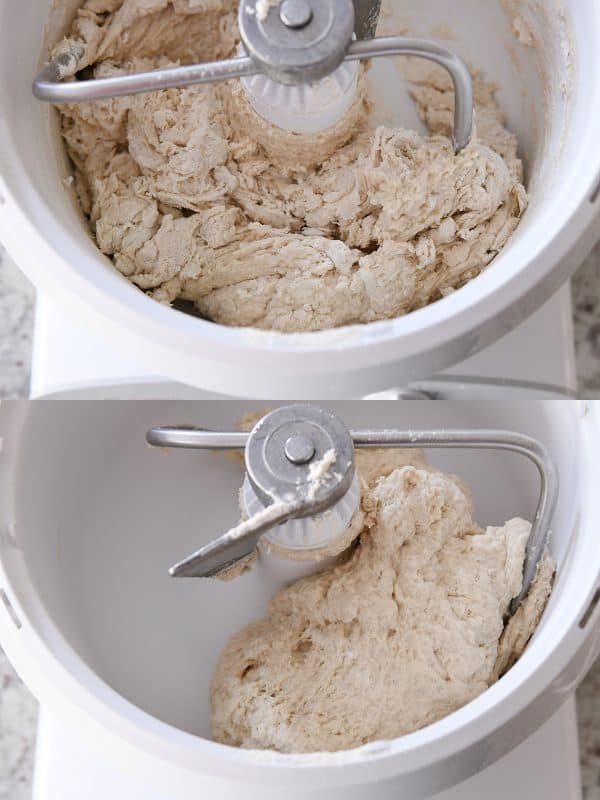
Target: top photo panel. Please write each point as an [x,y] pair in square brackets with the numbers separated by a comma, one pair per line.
[291,199]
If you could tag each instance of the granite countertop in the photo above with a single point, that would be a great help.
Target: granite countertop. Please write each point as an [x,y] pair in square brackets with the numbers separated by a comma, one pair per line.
[16,329]
[586,300]
[18,710]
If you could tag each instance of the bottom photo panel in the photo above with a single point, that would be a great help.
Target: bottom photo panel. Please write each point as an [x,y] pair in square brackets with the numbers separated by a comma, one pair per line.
[369,600]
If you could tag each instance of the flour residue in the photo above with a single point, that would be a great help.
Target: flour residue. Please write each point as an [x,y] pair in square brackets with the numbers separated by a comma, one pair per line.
[319,473]
[264,6]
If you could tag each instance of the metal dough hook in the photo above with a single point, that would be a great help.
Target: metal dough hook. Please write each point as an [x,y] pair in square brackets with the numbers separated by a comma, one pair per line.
[296,42]
[285,454]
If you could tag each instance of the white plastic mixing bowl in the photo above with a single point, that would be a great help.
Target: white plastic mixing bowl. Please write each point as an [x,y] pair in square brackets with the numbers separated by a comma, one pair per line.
[122,655]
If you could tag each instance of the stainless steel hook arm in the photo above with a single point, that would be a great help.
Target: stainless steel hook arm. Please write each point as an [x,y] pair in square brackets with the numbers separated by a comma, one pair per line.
[51,87]
[530,448]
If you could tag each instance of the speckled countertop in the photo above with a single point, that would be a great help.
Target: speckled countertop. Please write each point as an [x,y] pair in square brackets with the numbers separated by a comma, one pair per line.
[16,328]
[18,710]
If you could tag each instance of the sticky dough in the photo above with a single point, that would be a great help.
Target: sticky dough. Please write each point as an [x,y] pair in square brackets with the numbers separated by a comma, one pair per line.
[409,628]
[195,197]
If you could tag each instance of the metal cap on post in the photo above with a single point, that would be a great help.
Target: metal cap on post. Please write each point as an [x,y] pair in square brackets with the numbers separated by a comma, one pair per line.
[284,447]
[298,40]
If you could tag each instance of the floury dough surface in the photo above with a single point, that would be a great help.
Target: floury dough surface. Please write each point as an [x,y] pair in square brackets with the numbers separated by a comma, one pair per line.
[409,628]
[195,197]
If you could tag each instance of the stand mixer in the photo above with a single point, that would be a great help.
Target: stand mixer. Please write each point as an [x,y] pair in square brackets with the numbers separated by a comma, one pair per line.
[87,606]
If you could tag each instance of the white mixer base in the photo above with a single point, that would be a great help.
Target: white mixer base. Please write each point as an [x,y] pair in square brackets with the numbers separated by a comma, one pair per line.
[546,765]
[67,358]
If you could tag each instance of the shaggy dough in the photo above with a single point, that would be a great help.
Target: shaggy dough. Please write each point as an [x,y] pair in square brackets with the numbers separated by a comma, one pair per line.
[195,197]
[409,628]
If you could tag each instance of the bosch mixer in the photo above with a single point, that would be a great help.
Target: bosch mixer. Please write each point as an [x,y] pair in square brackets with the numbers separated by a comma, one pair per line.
[119,652]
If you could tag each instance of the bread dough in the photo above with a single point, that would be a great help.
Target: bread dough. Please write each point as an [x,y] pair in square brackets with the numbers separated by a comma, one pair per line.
[195,197]
[409,628]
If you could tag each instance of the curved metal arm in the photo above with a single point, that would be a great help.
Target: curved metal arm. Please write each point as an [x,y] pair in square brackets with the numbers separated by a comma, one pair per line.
[533,450]
[451,62]
[196,439]
[530,448]
[238,543]
[51,87]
